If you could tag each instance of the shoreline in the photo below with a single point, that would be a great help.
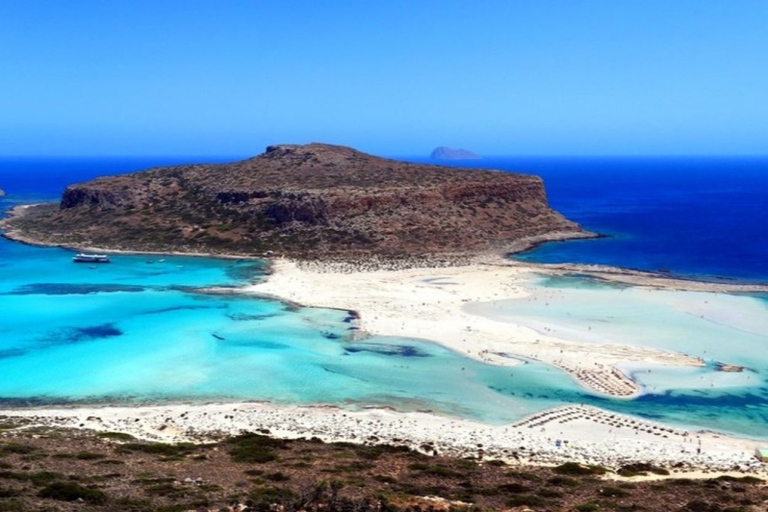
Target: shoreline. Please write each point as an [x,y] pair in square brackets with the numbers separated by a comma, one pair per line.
[571,433]
[629,276]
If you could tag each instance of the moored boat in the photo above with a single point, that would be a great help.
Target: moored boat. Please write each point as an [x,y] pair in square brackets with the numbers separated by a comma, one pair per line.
[90,258]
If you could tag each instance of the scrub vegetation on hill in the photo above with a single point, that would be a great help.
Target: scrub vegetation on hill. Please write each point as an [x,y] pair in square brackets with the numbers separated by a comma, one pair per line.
[68,470]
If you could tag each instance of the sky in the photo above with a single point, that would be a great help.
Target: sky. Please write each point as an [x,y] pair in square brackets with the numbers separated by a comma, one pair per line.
[395,77]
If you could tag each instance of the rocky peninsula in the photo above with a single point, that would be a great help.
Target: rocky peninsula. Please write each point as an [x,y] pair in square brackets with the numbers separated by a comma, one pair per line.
[306,201]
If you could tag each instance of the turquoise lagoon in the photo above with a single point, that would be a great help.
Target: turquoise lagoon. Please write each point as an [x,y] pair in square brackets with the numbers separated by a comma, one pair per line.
[717,327]
[148,329]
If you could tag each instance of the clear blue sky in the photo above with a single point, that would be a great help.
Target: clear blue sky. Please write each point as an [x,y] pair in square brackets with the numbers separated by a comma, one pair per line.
[506,77]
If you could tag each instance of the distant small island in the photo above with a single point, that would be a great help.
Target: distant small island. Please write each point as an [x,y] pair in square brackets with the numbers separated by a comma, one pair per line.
[2,192]
[444,153]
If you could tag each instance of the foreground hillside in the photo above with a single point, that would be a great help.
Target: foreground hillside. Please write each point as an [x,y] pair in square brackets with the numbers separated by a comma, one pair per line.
[310,200]
[54,469]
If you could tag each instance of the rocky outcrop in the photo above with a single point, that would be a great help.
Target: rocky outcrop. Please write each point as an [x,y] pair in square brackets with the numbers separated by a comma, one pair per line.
[444,153]
[2,192]
[305,201]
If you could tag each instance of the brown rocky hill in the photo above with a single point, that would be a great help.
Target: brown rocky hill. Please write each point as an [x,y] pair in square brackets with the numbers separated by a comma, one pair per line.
[304,201]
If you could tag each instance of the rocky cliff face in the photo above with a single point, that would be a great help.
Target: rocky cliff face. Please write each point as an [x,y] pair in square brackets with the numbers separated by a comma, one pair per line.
[304,201]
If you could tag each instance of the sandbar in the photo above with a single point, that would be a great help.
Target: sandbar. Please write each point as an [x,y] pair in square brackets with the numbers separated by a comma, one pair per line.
[429,303]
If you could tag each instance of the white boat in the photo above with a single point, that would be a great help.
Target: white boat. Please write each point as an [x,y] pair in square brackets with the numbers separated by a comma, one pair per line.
[90,258]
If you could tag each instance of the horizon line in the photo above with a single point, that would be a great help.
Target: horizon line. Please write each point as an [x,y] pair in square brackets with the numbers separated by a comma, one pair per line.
[420,156]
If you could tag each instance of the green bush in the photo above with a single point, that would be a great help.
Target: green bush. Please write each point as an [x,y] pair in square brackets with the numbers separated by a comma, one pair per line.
[90,456]
[254,448]
[440,471]
[263,498]
[16,448]
[13,505]
[38,478]
[167,489]
[573,468]
[641,468]
[163,449]
[513,488]
[71,491]
[613,492]
[743,479]
[563,481]
[278,476]
[550,493]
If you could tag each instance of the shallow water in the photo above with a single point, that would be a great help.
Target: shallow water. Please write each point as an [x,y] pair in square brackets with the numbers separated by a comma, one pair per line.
[719,328]
[144,328]
[132,331]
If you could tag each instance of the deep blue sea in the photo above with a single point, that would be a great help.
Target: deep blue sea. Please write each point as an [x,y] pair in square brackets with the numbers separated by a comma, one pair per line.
[146,328]
[692,216]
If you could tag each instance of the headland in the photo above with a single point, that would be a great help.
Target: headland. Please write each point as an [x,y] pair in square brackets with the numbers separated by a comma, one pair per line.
[310,202]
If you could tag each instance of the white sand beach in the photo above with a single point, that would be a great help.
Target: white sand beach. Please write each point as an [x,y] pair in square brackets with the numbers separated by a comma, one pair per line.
[572,433]
[429,303]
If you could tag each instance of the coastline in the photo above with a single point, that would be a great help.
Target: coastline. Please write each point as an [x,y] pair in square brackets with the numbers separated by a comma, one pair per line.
[15,235]
[421,299]
[564,434]
[418,260]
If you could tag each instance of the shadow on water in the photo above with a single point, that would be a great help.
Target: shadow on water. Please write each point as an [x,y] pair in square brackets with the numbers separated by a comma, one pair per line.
[73,289]
[78,334]
[173,309]
[405,351]
[245,271]
[67,336]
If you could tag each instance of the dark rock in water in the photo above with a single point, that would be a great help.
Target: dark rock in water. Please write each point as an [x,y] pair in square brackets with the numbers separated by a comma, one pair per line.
[351,317]
[311,200]
[730,368]
[73,289]
[78,334]
[173,308]
[387,350]
[330,335]
[242,317]
[12,352]
[444,153]
[218,336]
